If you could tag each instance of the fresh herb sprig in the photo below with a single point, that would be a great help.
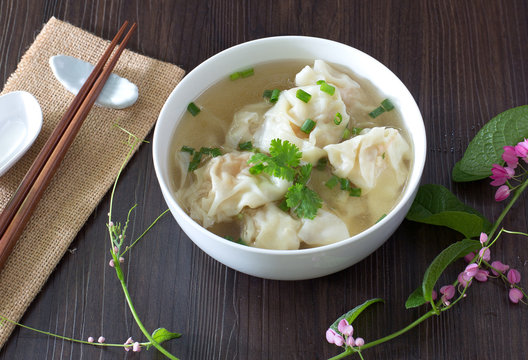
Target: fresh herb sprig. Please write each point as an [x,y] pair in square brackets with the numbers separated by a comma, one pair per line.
[284,162]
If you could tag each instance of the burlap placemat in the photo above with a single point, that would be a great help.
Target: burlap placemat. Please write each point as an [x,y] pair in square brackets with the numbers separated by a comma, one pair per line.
[90,165]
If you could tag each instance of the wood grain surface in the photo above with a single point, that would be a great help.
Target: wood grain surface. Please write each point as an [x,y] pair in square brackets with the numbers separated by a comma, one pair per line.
[464,62]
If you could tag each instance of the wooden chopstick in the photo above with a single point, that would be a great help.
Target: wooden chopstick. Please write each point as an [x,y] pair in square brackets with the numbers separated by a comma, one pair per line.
[18,211]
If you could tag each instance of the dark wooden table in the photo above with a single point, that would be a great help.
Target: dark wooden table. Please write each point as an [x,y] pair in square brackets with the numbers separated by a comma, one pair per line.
[464,62]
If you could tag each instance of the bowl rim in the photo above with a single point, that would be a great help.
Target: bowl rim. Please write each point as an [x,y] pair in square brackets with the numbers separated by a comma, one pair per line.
[411,187]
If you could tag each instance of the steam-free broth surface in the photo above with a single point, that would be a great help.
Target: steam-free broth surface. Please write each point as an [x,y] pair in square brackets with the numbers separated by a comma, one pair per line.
[223,100]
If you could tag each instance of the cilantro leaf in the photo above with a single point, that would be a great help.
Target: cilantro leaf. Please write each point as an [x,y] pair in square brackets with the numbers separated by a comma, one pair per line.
[304,174]
[285,153]
[304,201]
[285,156]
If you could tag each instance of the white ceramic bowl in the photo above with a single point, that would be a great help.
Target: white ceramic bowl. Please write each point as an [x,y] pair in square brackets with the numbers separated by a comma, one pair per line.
[288,264]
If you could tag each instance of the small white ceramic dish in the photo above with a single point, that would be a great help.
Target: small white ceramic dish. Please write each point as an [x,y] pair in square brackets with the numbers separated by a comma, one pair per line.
[118,92]
[20,123]
[288,264]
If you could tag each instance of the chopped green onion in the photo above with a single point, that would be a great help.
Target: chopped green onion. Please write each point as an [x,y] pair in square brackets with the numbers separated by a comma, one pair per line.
[387,105]
[308,126]
[214,152]
[284,206]
[187,149]
[274,95]
[356,192]
[193,109]
[234,76]
[329,89]
[195,161]
[383,156]
[245,145]
[246,73]
[332,182]
[346,134]
[356,131]
[321,163]
[267,94]
[344,183]
[376,112]
[319,82]
[338,118]
[242,74]
[381,218]
[303,95]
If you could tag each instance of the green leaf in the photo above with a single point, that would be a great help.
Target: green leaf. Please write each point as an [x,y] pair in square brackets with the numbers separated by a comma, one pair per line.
[415,299]
[436,205]
[443,260]
[507,128]
[304,201]
[285,156]
[354,313]
[304,174]
[161,335]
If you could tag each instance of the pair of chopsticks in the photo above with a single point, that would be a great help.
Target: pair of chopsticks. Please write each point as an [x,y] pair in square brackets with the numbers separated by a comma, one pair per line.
[19,209]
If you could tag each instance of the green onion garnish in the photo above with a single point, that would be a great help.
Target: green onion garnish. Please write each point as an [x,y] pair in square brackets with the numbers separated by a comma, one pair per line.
[346,134]
[319,82]
[257,169]
[246,73]
[193,109]
[321,163]
[195,161]
[308,126]
[242,74]
[356,131]
[381,218]
[329,89]
[356,192]
[187,149]
[245,145]
[387,105]
[267,94]
[344,183]
[214,152]
[383,156]
[376,112]
[303,95]
[338,118]
[332,182]
[274,95]
[234,76]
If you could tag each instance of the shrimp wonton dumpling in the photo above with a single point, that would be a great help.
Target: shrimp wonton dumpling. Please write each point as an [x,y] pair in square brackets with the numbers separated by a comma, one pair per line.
[224,186]
[326,228]
[376,154]
[245,122]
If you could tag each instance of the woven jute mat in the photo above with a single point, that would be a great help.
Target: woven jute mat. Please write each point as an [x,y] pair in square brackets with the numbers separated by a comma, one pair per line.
[91,164]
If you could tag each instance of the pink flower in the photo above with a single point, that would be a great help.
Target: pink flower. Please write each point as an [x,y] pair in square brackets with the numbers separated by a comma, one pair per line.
[345,328]
[471,270]
[469,257]
[500,174]
[483,238]
[137,348]
[464,280]
[90,339]
[448,291]
[500,267]
[502,193]
[482,275]
[521,149]
[111,263]
[350,341]
[485,254]
[338,340]
[130,341]
[514,276]
[510,156]
[360,342]
[121,259]
[101,339]
[515,295]
[434,295]
[330,335]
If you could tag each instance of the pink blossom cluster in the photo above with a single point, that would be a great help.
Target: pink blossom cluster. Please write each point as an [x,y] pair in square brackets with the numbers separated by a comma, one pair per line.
[501,174]
[474,271]
[136,347]
[344,335]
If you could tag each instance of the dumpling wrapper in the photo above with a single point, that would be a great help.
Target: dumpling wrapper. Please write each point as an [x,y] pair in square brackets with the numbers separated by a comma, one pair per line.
[374,159]
[224,186]
[245,123]
[326,228]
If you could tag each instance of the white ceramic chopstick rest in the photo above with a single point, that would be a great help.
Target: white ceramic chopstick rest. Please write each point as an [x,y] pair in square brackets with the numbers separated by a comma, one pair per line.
[20,123]
[118,92]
